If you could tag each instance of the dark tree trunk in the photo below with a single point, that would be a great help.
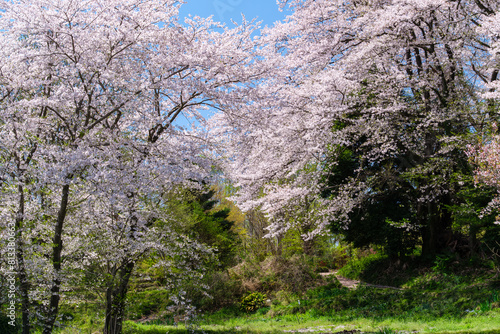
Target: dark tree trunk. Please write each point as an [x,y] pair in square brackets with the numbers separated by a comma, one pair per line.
[437,234]
[24,285]
[429,237]
[472,238]
[115,300]
[53,309]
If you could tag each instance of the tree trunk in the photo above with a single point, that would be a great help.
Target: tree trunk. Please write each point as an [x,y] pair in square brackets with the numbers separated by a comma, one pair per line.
[472,238]
[437,233]
[429,234]
[24,285]
[115,300]
[308,246]
[53,309]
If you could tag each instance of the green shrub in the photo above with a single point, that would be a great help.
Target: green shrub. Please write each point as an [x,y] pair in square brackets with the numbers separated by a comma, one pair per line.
[358,265]
[145,303]
[223,290]
[253,301]
[284,298]
[325,291]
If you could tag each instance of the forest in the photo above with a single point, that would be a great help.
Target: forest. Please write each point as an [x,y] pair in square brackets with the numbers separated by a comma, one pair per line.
[337,172]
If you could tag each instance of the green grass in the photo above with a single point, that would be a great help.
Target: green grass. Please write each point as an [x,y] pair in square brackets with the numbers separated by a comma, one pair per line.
[258,324]
[367,309]
[439,298]
[427,305]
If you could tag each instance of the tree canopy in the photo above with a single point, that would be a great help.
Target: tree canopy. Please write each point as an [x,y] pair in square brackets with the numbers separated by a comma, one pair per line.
[368,107]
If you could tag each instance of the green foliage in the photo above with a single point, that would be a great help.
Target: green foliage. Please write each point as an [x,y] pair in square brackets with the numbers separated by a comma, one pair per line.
[341,169]
[130,327]
[386,214]
[291,243]
[329,290]
[443,290]
[253,301]
[336,254]
[363,263]
[224,314]
[6,328]
[390,211]
[83,317]
[145,303]
[442,264]
[423,300]
[478,230]
[290,280]
[205,222]
[223,291]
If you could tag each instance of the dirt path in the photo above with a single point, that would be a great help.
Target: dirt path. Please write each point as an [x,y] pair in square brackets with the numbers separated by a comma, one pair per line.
[353,284]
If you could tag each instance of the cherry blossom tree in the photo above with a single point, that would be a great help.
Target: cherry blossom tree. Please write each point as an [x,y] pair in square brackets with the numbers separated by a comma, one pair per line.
[487,158]
[394,84]
[90,93]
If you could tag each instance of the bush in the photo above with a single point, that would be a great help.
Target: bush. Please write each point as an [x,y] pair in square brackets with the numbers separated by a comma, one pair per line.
[357,266]
[253,301]
[293,274]
[223,291]
[275,274]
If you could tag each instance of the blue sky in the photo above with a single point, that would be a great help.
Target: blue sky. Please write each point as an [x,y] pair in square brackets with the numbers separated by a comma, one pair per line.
[225,10]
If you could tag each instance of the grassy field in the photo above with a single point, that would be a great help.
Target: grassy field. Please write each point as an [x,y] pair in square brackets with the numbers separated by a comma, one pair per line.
[305,323]
[443,298]
[439,299]
[428,305]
